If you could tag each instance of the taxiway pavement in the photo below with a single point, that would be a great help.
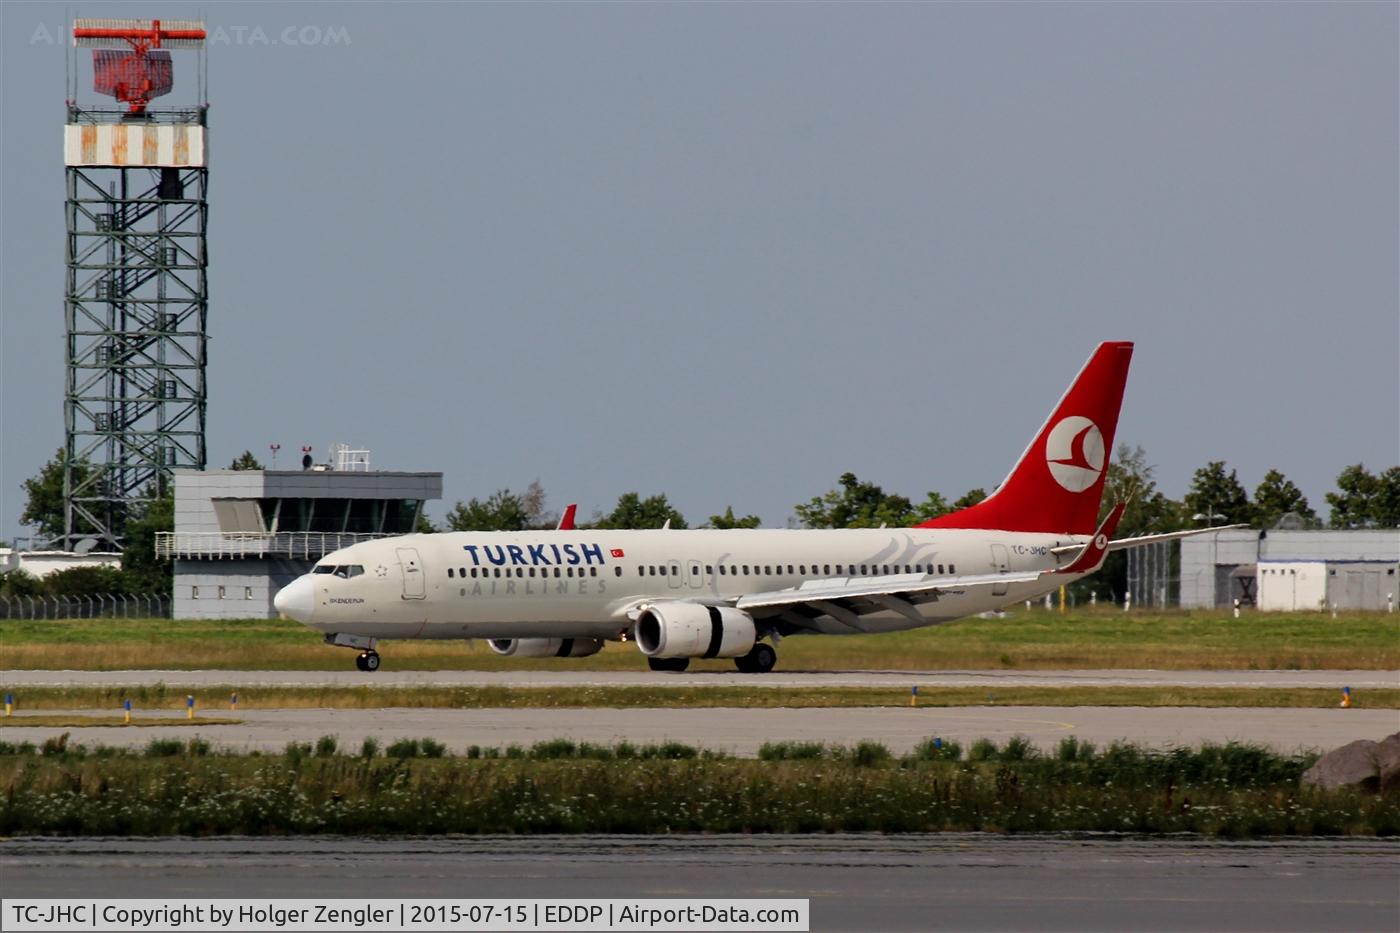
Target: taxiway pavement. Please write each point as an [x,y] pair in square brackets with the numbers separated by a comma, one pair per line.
[387,677]
[743,731]
[855,882]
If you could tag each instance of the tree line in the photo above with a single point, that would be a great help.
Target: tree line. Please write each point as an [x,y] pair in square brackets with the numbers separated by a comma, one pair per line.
[1216,496]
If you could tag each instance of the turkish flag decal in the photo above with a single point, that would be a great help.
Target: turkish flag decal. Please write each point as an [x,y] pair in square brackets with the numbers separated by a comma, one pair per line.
[617,552]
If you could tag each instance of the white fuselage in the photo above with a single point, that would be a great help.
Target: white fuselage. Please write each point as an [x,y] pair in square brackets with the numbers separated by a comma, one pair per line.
[589,583]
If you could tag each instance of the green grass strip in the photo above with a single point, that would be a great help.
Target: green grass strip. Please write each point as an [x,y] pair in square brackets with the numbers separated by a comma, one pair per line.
[116,719]
[1104,637]
[416,788]
[217,696]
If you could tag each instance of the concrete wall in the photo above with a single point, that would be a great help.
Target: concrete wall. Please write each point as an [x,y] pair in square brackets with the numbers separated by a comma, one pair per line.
[1207,562]
[247,587]
[1288,586]
[1362,585]
[195,492]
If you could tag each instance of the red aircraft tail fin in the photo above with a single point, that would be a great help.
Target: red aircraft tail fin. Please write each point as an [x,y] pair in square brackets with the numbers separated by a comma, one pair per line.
[1057,484]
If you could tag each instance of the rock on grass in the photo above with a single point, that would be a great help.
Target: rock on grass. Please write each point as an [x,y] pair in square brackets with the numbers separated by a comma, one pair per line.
[1370,767]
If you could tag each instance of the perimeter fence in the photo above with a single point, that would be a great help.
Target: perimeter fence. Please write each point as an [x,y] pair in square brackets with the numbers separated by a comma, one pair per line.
[96,606]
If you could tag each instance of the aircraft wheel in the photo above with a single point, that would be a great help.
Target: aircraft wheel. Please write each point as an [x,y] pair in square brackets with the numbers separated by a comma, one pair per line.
[675,665]
[760,660]
[369,661]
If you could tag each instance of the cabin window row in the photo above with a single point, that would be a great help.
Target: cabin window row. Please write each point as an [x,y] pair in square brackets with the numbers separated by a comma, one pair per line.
[497,572]
[825,570]
[662,570]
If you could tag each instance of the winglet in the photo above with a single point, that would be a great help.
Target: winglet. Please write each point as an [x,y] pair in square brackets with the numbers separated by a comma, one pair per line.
[1091,557]
[566,522]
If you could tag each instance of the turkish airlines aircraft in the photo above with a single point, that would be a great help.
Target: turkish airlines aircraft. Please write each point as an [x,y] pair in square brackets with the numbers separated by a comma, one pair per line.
[718,594]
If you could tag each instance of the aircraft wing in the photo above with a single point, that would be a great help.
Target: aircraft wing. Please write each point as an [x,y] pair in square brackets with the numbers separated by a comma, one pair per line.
[846,599]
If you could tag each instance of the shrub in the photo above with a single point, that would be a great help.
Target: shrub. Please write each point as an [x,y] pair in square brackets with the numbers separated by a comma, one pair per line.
[596,752]
[1018,748]
[982,750]
[867,754]
[1072,749]
[326,746]
[431,748]
[554,748]
[369,748]
[669,750]
[197,747]
[403,748]
[164,748]
[55,745]
[791,751]
[296,751]
[937,750]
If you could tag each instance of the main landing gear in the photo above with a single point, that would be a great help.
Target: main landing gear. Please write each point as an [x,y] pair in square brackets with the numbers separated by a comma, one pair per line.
[760,660]
[368,661]
[668,664]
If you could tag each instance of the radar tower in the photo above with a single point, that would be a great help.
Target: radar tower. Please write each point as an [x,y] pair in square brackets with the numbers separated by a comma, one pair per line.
[136,302]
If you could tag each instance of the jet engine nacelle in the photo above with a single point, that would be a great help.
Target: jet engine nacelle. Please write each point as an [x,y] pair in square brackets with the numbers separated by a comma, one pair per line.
[690,630]
[545,647]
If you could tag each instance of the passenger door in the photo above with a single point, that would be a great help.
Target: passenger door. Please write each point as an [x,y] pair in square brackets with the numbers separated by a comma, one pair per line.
[1000,564]
[673,574]
[414,585]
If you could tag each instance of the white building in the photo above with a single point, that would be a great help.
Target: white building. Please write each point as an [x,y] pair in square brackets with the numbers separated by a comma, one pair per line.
[1292,570]
[241,535]
[42,563]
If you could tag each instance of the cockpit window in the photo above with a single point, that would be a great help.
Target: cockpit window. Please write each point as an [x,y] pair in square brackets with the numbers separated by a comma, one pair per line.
[344,571]
[324,568]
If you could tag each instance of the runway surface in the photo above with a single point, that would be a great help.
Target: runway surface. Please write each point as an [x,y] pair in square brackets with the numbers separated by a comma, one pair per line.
[387,677]
[855,882]
[742,731]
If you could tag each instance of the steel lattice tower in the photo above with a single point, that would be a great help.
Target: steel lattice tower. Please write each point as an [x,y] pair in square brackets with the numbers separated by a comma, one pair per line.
[137,299]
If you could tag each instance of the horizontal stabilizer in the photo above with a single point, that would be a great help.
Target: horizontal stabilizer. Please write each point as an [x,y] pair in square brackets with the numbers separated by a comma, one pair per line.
[1122,544]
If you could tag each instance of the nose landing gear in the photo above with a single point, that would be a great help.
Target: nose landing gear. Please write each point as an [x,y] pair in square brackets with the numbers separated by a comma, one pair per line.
[368,659]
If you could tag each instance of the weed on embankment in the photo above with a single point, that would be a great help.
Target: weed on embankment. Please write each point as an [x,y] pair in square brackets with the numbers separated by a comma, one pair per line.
[418,787]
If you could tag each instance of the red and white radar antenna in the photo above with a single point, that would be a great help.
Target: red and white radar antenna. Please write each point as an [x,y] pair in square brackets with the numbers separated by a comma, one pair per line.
[127,61]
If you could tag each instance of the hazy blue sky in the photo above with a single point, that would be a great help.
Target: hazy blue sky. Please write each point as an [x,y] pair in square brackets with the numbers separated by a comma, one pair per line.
[729,251]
